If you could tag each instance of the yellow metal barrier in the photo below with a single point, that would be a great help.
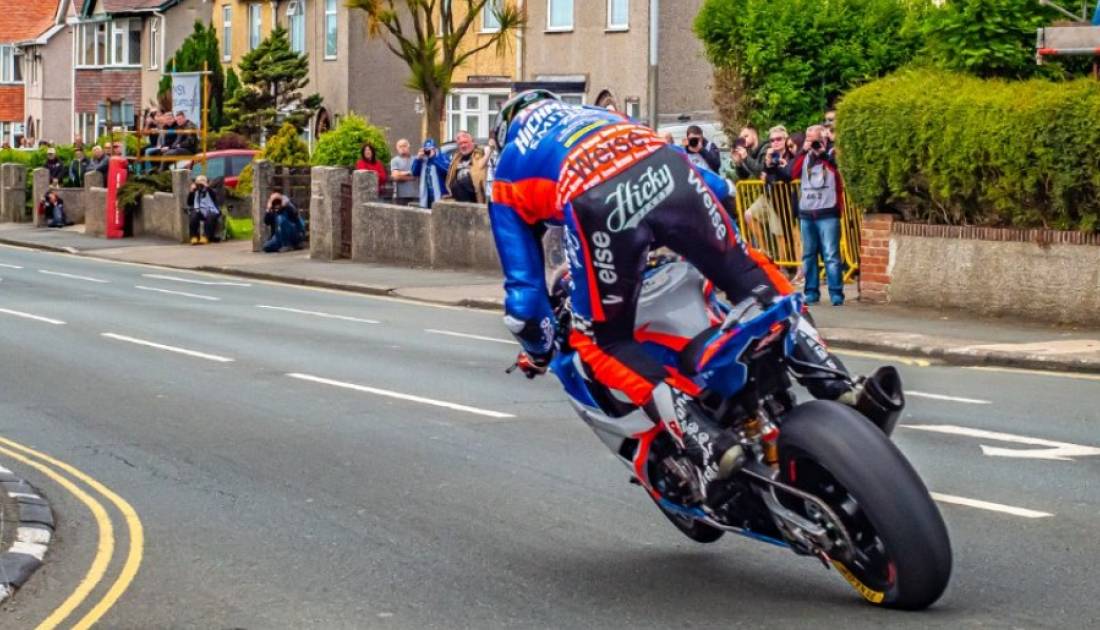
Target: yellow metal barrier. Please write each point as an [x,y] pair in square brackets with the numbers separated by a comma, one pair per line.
[768,219]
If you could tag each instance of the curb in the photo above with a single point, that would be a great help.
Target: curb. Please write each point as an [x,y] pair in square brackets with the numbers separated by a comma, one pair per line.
[34,530]
[958,355]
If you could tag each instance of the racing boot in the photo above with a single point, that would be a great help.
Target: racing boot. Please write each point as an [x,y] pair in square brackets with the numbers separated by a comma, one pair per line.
[715,452]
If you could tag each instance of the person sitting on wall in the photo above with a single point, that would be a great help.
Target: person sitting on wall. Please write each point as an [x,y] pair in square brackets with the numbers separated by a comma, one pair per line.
[186,141]
[203,211]
[54,209]
[287,228]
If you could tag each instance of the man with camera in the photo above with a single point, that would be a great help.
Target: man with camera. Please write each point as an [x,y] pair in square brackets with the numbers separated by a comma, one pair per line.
[287,229]
[701,152]
[431,166]
[748,154]
[203,211]
[820,204]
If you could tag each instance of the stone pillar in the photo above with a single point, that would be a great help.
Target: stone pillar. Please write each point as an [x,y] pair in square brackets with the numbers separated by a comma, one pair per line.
[13,192]
[874,258]
[364,190]
[40,185]
[325,230]
[93,179]
[262,170]
[181,186]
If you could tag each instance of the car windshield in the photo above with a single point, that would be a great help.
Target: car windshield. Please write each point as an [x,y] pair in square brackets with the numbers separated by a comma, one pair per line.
[213,168]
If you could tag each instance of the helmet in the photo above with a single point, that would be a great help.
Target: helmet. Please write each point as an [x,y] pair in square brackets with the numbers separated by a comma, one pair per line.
[513,107]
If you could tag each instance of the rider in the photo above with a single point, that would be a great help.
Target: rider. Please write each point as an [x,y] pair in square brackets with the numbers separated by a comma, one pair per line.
[620,190]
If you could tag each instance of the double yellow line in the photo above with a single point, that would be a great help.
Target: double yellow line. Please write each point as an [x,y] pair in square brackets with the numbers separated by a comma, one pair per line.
[106,543]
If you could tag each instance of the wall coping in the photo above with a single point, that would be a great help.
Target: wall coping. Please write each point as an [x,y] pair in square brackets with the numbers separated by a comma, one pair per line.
[978,233]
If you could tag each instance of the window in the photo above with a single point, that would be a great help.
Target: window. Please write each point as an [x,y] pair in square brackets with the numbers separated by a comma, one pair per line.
[572,99]
[154,43]
[9,66]
[254,34]
[87,126]
[330,29]
[633,108]
[618,15]
[115,43]
[296,23]
[473,111]
[227,33]
[489,21]
[560,15]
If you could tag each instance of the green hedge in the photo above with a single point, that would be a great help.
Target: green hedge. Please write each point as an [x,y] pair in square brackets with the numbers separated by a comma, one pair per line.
[948,148]
[343,145]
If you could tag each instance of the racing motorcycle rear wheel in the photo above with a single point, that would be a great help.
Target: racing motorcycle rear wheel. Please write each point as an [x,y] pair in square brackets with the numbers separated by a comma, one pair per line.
[902,553]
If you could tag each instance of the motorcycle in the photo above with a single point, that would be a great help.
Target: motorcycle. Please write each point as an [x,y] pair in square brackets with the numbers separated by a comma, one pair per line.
[819,478]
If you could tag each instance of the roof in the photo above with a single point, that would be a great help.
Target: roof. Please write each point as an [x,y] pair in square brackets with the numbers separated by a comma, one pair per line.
[26,19]
[125,6]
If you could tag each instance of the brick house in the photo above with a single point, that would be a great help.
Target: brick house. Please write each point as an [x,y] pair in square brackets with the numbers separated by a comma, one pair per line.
[21,21]
[119,50]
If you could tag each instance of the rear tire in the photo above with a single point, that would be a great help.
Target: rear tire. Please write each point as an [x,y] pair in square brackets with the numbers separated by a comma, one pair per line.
[904,559]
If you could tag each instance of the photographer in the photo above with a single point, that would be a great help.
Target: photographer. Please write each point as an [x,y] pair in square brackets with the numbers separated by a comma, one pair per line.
[287,229]
[748,155]
[820,204]
[203,211]
[431,167]
[777,157]
[701,152]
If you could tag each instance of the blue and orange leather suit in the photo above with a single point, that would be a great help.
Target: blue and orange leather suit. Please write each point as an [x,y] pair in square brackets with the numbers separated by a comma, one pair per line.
[619,190]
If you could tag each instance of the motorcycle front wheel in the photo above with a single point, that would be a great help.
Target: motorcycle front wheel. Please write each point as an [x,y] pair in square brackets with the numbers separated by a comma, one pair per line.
[902,552]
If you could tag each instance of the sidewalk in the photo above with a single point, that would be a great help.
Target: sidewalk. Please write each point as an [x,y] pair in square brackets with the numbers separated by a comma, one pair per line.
[951,337]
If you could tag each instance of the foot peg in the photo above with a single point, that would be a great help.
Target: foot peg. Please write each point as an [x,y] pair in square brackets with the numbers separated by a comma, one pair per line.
[880,398]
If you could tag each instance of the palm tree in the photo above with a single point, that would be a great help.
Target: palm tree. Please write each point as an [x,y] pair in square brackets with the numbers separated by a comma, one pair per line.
[426,35]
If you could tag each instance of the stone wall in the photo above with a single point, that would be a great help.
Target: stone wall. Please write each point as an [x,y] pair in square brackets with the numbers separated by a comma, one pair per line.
[13,193]
[75,200]
[1044,275]
[325,229]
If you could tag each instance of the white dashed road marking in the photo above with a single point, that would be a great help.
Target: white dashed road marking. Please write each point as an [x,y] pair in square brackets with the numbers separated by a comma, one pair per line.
[208,298]
[7,266]
[159,346]
[1058,451]
[72,276]
[958,399]
[398,395]
[37,318]
[992,507]
[346,318]
[209,283]
[436,331]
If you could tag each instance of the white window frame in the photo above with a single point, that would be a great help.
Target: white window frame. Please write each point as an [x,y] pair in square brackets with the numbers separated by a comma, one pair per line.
[482,113]
[154,43]
[7,65]
[255,25]
[634,108]
[620,26]
[331,23]
[572,98]
[83,119]
[296,12]
[550,16]
[489,23]
[227,32]
[111,30]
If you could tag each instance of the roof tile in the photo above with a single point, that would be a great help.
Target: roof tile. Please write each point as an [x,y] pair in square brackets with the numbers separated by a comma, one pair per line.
[25,19]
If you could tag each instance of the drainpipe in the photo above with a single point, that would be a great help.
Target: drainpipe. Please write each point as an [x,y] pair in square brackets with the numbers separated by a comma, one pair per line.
[654,31]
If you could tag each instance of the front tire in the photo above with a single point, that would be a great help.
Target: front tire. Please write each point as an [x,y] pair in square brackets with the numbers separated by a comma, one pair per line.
[903,552]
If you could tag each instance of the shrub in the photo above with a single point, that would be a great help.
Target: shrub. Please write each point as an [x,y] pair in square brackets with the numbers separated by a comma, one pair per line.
[226,140]
[989,38]
[342,145]
[949,148]
[789,61]
[133,144]
[284,148]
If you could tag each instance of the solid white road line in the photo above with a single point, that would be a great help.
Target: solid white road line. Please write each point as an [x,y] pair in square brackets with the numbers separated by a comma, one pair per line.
[37,318]
[400,396]
[436,331]
[73,276]
[158,346]
[1077,375]
[346,318]
[219,283]
[183,293]
[992,507]
[882,357]
[969,401]
[6,266]
[1053,450]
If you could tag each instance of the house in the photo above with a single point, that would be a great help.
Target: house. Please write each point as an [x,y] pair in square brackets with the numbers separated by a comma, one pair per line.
[21,21]
[351,72]
[596,51]
[47,75]
[484,82]
[118,52]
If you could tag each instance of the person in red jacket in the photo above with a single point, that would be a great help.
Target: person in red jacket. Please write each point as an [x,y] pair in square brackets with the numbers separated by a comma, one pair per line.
[368,162]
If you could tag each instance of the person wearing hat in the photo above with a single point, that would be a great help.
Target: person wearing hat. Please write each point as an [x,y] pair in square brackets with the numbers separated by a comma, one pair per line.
[431,166]
[203,212]
[54,166]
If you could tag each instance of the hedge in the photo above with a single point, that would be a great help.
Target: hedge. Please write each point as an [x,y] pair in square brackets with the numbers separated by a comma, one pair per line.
[947,148]
[343,145]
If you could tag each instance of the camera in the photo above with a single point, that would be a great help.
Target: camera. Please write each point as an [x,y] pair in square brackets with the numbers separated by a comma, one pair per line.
[739,143]
[693,142]
[816,145]
[775,159]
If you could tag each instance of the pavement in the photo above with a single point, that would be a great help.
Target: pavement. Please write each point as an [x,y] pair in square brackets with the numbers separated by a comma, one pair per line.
[245,454]
[952,337]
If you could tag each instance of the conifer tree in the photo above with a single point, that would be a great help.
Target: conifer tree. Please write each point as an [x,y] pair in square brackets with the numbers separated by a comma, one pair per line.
[272,77]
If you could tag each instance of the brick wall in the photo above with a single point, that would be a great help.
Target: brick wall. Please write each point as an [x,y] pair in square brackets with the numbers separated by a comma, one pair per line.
[95,86]
[11,103]
[874,257]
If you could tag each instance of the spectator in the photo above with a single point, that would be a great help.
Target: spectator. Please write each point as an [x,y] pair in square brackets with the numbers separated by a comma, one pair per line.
[99,162]
[162,142]
[77,168]
[78,142]
[819,208]
[203,211]
[777,157]
[830,125]
[54,209]
[466,175]
[795,143]
[5,145]
[367,162]
[150,129]
[667,137]
[287,228]
[117,149]
[186,140]
[55,166]
[702,152]
[407,189]
[431,167]
[748,154]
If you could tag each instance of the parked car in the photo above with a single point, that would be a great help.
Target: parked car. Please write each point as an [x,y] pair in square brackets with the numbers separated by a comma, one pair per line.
[222,167]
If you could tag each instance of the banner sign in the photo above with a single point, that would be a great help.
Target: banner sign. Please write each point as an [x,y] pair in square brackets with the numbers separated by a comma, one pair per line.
[187,95]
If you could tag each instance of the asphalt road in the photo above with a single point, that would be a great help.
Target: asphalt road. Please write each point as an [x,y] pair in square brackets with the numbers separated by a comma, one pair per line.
[401,480]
